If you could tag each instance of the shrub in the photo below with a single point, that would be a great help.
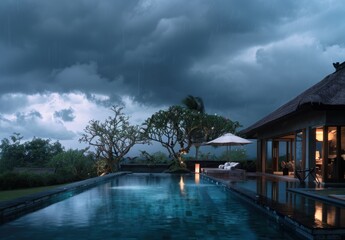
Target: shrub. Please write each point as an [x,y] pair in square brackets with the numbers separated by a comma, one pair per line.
[74,164]
[152,159]
[248,165]
[238,154]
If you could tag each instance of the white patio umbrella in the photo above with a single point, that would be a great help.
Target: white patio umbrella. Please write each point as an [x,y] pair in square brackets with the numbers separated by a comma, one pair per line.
[228,140]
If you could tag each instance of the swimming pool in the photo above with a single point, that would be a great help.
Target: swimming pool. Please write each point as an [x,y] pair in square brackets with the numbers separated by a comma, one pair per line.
[147,206]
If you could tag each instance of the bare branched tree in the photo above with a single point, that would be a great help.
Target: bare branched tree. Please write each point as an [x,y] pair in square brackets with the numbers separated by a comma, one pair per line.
[112,138]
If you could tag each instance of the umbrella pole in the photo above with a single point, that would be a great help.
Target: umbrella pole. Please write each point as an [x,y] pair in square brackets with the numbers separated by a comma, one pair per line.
[230,154]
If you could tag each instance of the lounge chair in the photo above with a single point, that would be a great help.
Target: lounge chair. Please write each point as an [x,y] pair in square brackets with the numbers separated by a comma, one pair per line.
[230,169]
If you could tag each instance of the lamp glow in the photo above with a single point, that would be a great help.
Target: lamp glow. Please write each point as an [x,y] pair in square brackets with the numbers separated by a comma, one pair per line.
[317,155]
[197,168]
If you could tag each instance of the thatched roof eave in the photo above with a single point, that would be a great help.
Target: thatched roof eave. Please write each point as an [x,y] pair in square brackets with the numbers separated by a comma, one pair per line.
[328,93]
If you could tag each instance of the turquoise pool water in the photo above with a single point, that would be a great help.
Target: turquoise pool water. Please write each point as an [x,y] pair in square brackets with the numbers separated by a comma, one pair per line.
[147,206]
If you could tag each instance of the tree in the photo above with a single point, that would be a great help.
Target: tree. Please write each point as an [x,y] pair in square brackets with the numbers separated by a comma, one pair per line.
[38,151]
[214,126]
[74,164]
[178,129]
[211,126]
[155,158]
[173,129]
[112,138]
[194,103]
[35,153]
[12,152]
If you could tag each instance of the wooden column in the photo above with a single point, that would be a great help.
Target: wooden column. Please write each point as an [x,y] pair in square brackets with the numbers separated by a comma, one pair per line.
[325,154]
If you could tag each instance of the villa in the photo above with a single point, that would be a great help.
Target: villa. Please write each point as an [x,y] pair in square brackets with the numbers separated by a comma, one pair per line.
[304,136]
[307,134]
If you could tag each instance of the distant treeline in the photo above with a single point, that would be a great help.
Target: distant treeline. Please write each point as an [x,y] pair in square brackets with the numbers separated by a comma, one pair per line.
[69,165]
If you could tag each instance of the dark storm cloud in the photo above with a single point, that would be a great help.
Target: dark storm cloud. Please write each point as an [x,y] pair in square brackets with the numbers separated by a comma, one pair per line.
[30,124]
[65,115]
[10,102]
[239,56]
[25,117]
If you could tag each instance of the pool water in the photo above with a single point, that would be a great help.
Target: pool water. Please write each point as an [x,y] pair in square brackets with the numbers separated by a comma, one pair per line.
[147,206]
[268,187]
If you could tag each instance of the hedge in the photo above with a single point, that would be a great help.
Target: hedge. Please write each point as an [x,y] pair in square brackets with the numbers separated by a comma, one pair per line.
[11,180]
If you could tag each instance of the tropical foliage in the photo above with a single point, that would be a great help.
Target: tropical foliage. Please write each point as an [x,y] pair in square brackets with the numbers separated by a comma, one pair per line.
[154,158]
[41,155]
[76,164]
[177,129]
[172,128]
[35,153]
[238,154]
[194,103]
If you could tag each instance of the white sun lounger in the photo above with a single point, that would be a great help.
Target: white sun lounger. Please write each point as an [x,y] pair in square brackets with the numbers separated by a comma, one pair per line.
[237,172]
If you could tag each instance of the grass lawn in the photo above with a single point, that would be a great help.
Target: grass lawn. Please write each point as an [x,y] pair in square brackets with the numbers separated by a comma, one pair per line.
[12,194]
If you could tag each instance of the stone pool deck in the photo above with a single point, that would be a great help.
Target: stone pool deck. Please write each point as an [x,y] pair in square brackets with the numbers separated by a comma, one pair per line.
[334,199]
[13,208]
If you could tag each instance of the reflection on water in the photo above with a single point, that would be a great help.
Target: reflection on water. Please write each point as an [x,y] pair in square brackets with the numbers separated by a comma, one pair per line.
[181,183]
[135,187]
[334,216]
[197,178]
[316,213]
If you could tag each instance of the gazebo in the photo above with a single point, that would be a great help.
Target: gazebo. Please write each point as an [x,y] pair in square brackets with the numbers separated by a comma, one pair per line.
[307,132]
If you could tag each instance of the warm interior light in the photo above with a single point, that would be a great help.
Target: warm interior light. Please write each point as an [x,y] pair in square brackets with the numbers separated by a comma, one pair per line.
[319,135]
[197,168]
[332,135]
[317,155]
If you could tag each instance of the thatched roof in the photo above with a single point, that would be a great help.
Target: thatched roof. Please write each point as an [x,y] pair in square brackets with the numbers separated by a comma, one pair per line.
[329,91]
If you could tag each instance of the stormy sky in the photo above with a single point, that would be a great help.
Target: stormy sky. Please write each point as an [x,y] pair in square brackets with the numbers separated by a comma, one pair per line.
[66,62]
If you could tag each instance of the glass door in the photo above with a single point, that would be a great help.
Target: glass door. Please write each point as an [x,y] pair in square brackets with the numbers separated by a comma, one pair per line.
[318,151]
[300,150]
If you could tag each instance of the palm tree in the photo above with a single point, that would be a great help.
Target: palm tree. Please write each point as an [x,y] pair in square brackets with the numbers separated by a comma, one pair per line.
[194,103]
